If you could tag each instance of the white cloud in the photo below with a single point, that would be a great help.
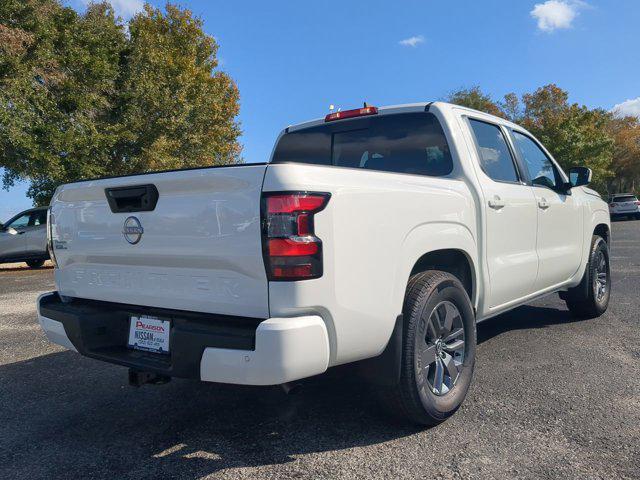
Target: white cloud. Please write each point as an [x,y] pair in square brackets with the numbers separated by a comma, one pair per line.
[556,14]
[412,41]
[123,8]
[629,108]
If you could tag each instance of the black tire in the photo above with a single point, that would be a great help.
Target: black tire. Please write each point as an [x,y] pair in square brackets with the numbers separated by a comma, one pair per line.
[415,397]
[587,300]
[35,263]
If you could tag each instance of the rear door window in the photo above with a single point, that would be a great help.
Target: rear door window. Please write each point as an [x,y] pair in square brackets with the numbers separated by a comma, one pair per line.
[412,143]
[495,157]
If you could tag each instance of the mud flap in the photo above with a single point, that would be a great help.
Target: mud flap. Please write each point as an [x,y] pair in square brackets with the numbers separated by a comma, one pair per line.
[384,370]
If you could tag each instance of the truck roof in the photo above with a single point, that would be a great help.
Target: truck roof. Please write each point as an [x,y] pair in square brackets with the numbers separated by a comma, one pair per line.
[408,107]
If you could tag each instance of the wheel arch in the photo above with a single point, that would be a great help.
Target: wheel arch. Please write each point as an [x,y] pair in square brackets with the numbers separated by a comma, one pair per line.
[451,260]
[445,246]
[603,230]
[597,222]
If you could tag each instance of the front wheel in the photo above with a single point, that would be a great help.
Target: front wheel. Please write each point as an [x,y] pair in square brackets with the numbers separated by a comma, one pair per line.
[591,300]
[439,349]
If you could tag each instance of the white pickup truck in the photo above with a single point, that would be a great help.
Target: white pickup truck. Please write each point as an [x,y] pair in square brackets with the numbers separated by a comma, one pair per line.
[376,234]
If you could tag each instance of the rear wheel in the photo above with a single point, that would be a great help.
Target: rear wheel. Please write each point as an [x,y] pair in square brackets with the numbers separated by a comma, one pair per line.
[439,346]
[591,300]
[35,263]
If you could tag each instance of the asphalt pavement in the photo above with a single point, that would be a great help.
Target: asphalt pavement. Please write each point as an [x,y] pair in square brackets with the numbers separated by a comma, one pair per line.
[553,397]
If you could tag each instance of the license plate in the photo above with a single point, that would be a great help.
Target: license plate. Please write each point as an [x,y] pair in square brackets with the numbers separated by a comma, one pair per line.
[149,333]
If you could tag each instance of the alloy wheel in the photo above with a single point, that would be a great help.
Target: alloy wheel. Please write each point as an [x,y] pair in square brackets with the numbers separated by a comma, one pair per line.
[601,277]
[440,347]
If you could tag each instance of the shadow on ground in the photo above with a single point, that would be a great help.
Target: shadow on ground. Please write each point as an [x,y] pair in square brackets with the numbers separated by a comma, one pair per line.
[63,414]
[523,318]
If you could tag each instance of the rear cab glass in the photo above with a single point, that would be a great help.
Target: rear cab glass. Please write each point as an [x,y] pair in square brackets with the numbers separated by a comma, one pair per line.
[412,143]
[625,198]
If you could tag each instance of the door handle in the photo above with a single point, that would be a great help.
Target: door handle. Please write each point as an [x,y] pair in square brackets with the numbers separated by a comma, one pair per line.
[543,204]
[496,203]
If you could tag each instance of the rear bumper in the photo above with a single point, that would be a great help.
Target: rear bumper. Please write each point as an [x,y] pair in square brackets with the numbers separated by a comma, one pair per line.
[212,348]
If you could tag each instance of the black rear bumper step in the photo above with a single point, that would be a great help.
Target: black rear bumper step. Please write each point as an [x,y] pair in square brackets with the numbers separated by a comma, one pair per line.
[100,330]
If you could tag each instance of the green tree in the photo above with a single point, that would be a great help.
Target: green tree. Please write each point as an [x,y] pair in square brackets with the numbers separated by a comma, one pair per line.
[174,111]
[574,134]
[475,98]
[511,107]
[626,154]
[81,96]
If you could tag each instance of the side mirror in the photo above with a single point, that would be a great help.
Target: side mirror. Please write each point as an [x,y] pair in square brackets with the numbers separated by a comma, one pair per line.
[12,231]
[579,176]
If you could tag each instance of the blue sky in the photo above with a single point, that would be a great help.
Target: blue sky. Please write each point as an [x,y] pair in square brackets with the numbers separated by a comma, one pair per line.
[292,59]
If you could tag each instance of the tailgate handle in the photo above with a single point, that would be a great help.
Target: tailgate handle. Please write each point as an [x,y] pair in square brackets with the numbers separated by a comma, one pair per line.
[137,198]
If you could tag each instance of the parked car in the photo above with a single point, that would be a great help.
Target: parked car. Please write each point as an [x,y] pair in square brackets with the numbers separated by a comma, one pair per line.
[375,235]
[624,205]
[24,238]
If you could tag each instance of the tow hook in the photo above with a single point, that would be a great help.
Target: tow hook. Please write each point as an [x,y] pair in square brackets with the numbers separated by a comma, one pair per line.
[138,378]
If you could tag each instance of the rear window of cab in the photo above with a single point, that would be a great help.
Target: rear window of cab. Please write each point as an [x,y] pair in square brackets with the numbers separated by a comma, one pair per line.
[625,198]
[411,143]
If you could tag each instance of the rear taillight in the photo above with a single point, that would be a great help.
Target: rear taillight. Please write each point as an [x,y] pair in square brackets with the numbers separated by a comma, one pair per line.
[291,249]
[50,222]
[638,203]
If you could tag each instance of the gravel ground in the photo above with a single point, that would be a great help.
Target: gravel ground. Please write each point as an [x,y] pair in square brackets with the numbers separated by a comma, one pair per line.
[552,398]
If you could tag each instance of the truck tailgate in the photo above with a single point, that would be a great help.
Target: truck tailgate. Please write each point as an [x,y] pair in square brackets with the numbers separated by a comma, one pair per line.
[199,249]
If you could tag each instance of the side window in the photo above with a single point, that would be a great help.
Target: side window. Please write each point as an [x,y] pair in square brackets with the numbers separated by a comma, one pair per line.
[21,222]
[495,157]
[541,170]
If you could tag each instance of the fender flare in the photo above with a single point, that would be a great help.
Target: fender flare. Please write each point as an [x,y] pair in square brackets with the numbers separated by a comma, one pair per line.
[430,237]
[593,220]
[384,370]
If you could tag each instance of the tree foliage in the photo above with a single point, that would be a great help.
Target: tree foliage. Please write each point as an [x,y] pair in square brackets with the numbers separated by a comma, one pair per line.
[475,98]
[574,134]
[626,165]
[85,95]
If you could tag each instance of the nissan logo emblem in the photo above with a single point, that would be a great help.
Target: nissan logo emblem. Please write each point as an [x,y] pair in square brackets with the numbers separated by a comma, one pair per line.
[132,230]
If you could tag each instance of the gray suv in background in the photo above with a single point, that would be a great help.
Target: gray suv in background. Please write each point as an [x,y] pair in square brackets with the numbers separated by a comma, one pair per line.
[24,238]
